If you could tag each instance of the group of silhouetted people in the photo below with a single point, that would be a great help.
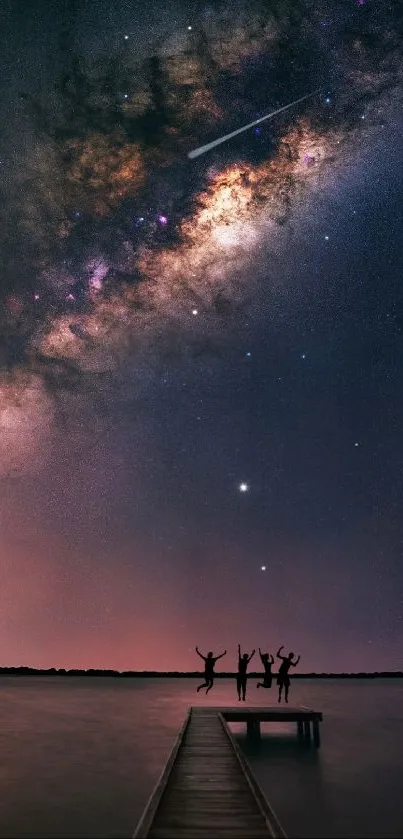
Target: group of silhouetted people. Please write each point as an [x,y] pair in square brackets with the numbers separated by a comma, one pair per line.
[283,678]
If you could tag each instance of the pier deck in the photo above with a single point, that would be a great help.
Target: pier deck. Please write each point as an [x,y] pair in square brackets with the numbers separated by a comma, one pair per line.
[206,788]
[304,717]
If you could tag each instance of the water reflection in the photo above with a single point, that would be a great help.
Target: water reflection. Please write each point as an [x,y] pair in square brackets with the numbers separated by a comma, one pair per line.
[298,796]
[80,757]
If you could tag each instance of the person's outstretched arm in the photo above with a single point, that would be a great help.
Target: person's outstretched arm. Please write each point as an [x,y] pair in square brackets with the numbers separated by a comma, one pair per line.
[200,654]
[294,663]
[251,655]
[222,654]
[272,659]
[260,653]
[279,651]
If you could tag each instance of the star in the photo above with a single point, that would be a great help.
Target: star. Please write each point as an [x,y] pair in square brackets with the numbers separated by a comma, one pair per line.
[243,487]
[195,311]
[126,37]
[189,27]
[248,354]
[326,238]
[263,567]
[303,355]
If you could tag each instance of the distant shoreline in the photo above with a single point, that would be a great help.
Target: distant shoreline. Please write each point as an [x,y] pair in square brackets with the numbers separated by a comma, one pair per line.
[195,674]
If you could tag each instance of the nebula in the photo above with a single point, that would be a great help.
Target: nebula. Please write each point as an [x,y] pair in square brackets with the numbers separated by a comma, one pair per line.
[118,243]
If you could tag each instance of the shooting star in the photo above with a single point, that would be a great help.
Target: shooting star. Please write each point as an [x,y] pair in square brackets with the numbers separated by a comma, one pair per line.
[203,149]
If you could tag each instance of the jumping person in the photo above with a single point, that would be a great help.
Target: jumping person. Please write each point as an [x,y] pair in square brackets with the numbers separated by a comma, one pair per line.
[267,661]
[283,679]
[241,679]
[209,664]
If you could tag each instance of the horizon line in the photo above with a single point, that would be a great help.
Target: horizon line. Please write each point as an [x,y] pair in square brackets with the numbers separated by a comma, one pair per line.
[222,674]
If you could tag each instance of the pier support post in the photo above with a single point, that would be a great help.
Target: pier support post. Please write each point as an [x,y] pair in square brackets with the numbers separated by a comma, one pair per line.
[253,729]
[316,733]
[300,731]
[307,731]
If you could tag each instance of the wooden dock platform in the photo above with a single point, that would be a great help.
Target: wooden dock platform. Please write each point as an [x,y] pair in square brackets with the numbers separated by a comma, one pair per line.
[304,718]
[207,788]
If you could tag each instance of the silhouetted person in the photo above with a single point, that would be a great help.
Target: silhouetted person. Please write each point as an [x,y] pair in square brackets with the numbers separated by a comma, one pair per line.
[283,679]
[241,679]
[209,663]
[267,661]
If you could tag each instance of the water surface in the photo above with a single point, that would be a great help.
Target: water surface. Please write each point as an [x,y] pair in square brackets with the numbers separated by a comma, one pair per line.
[80,756]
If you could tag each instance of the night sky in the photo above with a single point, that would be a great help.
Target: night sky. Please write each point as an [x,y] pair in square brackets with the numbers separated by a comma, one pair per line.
[201,402]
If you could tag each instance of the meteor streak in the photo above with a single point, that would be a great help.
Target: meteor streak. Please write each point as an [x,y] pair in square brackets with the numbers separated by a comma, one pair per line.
[203,149]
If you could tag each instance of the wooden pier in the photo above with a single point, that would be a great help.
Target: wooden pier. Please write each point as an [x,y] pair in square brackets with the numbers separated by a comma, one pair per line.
[304,718]
[207,788]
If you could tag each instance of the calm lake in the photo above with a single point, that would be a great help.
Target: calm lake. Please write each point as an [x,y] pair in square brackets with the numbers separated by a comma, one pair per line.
[80,757]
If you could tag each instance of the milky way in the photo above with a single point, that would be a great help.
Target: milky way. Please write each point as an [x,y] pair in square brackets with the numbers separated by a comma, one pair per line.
[117,245]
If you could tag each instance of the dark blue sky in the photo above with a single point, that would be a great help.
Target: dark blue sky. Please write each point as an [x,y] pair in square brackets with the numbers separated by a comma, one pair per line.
[128,539]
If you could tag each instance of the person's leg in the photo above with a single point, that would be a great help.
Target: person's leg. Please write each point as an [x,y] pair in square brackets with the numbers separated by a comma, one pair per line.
[244,688]
[286,689]
[210,685]
[280,688]
[202,686]
[260,685]
[238,687]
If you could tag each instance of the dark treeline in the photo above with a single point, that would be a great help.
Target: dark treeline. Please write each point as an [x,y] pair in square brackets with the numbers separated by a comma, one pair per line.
[52,671]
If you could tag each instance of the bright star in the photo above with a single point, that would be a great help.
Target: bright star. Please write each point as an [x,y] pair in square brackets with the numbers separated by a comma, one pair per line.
[243,487]
[263,567]
[248,354]
[326,238]
[303,355]
[195,311]
[189,27]
[126,37]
